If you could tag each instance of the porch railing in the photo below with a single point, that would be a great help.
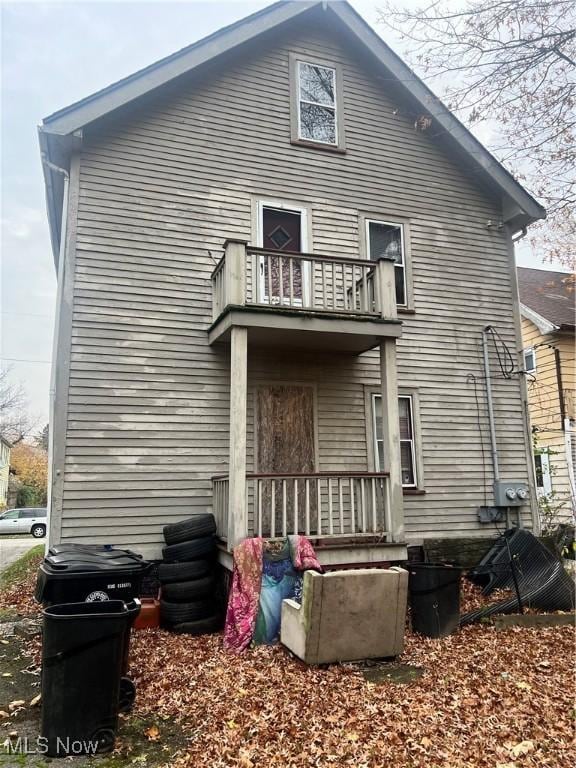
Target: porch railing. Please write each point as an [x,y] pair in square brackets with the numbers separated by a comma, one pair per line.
[220,487]
[247,276]
[321,504]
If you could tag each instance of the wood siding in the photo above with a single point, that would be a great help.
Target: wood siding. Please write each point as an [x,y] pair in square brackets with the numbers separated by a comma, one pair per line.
[545,410]
[160,190]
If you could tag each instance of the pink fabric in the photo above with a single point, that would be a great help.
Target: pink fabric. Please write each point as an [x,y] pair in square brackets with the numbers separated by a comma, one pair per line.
[244,596]
[304,556]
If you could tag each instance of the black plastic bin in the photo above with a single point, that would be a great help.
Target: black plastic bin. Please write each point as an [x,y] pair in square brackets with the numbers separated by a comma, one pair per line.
[434,598]
[78,573]
[84,652]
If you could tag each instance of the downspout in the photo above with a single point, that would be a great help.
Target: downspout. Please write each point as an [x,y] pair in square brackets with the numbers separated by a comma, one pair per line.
[560,387]
[490,402]
[59,292]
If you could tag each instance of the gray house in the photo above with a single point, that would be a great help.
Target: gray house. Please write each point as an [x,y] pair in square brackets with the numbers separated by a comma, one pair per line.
[277,254]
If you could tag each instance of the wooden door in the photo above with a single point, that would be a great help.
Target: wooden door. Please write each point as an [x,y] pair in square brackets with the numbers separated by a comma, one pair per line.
[282,231]
[285,444]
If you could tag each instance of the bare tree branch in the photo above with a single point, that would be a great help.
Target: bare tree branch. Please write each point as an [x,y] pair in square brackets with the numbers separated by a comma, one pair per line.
[509,63]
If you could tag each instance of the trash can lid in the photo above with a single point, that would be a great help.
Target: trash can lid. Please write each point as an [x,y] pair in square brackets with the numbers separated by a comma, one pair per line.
[103,550]
[101,609]
[81,561]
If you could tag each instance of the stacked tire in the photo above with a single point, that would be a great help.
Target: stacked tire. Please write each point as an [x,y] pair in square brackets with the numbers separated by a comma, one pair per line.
[188,601]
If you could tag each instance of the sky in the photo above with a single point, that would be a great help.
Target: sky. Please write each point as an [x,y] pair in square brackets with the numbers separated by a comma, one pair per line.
[53,54]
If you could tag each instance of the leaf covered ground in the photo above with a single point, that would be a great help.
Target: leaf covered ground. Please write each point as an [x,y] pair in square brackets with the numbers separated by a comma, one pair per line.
[485,699]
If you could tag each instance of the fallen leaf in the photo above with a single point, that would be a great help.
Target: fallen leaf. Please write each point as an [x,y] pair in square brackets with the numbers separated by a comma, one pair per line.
[16,703]
[352,736]
[522,748]
[152,733]
[6,674]
[426,742]
[244,759]
[36,700]
[3,714]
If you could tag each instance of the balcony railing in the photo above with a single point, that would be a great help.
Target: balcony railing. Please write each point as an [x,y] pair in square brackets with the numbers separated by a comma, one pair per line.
[254,277]
[320,505]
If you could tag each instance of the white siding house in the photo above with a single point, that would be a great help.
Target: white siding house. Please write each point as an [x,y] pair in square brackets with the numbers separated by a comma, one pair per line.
[336,390]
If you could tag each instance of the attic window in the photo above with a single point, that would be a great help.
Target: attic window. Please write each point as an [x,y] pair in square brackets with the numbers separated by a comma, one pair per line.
[316,104]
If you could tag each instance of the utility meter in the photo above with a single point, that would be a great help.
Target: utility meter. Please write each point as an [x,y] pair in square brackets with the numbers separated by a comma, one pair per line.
[510,493]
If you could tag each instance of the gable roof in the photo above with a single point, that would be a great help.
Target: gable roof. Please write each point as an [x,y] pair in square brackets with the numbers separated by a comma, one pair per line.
[519,207]
[548,299]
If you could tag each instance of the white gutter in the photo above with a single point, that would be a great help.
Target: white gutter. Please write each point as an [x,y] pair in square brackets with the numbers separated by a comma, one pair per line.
[543,325]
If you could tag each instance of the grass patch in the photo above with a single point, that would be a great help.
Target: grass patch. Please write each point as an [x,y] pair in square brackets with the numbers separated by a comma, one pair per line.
[19,569]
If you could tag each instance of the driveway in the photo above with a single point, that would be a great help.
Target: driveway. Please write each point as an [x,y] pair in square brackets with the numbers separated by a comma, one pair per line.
[13,547]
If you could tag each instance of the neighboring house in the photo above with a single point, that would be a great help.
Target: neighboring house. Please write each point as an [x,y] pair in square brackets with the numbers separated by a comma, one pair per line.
[548,323]
[337,391]
[5,447]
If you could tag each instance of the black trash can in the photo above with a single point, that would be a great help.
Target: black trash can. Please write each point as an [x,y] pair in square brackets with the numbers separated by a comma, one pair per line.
[78,573]
[434,598]
[127,687]
[84,650]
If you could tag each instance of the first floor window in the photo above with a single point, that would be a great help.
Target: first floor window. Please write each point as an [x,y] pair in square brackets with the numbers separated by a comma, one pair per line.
[407,438]
[543,477]
[529,360]
[386,239]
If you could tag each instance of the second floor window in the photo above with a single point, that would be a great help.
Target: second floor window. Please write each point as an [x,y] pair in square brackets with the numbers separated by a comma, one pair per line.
[317,120]
[387,239]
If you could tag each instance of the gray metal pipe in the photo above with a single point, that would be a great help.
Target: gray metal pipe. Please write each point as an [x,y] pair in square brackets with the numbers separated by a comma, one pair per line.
[493,444]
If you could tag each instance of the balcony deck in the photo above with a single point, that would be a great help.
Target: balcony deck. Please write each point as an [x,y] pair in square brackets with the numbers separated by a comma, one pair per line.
[303,300]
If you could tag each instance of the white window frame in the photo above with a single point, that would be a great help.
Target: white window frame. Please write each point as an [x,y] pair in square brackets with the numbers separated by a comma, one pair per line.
[283,205]
[529,351]
[376,440]
[335,106]
[546,488]
[403,265]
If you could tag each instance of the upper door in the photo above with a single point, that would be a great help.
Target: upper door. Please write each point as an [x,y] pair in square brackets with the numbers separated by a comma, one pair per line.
[283,280]
[281,229]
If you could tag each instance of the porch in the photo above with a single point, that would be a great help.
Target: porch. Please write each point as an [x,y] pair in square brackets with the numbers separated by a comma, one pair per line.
[325,505]
[286,311]
[348,516]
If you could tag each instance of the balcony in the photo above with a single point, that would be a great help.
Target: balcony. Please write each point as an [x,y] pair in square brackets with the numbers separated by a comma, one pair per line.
[303,300]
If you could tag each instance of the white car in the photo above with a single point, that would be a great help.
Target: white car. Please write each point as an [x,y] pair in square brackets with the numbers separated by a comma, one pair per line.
[26,520]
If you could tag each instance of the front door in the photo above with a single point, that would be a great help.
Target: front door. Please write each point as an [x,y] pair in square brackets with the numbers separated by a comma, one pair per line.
[285,445]
[282,279]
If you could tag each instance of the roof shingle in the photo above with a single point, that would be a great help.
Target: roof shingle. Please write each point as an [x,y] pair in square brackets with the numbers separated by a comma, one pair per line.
[550,294]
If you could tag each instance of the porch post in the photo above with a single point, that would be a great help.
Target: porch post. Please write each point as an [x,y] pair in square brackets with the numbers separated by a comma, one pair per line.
[235,272]
[237,509]
[389,388]
[391,436]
